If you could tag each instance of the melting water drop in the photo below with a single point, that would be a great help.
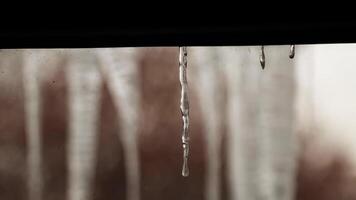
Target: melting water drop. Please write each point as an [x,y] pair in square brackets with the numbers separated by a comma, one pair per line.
[292,51]
[184,107]
[185,169]
[262,57]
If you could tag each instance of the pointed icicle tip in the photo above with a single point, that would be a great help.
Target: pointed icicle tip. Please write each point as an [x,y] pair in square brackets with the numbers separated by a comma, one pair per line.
[185,170]
[262,61]
[262,64]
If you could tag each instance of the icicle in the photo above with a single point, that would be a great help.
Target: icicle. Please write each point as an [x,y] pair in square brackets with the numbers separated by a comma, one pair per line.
[209,87]
[32,98]
[291,51]
[184,107]
[120,68]
[84,100]
[262,57]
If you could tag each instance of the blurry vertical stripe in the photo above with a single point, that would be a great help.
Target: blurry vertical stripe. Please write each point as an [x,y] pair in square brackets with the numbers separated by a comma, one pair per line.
[242,70]
[32,100]
[276,126]
[209,87]
[305,90]
[120,69]
[84,95]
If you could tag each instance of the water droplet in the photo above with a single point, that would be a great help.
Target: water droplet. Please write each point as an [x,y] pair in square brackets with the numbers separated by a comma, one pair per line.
[292,51]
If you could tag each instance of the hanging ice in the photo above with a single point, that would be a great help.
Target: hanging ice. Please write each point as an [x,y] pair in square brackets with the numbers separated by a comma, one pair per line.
[184,107]
[262,57]
[84,100]
[119,66]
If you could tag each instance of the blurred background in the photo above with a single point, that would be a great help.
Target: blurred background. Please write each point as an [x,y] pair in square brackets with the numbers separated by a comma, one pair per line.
[106,124]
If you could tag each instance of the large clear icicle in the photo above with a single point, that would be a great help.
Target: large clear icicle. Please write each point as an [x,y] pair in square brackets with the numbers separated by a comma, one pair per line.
[208,83]
[276,127]
[32,99]
[243,98]
[184,107]
[120,68]
[84,103]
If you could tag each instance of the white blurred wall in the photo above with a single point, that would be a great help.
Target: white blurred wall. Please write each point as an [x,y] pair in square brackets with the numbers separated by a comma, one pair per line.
[327,94]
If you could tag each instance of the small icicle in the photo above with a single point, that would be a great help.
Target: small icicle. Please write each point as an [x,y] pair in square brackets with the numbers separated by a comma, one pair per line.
[292,51]
[262,57]
[184,107]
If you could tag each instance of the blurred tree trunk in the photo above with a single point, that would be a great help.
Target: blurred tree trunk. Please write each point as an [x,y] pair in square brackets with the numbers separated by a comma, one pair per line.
[119,67]
[84,95]
[276,126]
[243,72]
[262,141]
[32,99]
[305,90]
[209,86]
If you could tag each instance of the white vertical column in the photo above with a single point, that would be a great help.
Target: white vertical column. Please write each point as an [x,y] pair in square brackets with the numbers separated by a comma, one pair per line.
[243,74]
[276,125]
[120,69]
[32,99]
[305,88]
[208,84]
[84,103]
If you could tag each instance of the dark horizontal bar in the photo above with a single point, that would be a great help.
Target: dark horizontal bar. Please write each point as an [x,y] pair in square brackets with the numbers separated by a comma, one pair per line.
[139,35]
